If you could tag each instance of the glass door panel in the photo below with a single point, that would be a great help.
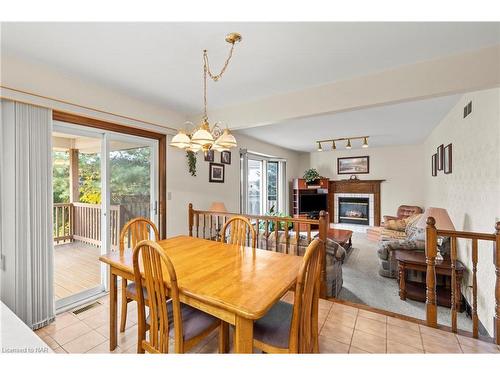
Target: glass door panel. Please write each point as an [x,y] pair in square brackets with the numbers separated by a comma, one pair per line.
[254,187]
[272,186]
[131,183]
[77,210]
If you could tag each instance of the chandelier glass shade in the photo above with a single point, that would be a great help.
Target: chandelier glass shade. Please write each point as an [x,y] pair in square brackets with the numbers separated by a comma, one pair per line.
[206,138]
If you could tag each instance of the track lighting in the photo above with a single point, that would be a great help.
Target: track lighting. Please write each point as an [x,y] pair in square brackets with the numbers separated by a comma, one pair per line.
[319,147]
[348,145]
[365,142]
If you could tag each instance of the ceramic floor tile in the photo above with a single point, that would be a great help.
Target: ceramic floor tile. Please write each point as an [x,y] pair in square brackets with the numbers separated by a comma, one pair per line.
[53,344]
[70,333]
[404,336]
[328,345]
[470,345]
[127,338]
[402,323]
[398,348]
[84,343]
[60,350]
[435,332]
[338,307]
[354,350]
[98,310]
[62,321]
[435,344]
[103,348]
[372,326]
[372,315]
[337,332]
[342,318]
[368,342]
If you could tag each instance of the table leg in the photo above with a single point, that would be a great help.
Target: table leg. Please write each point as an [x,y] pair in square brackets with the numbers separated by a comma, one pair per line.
[112,310]
[402,282]
[243,337]
[224,337]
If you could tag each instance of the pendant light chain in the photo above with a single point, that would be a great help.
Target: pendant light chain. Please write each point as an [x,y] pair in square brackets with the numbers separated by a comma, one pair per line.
[214,77]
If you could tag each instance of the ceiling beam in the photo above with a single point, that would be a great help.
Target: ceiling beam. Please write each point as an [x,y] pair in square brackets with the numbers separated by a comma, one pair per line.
[462,73]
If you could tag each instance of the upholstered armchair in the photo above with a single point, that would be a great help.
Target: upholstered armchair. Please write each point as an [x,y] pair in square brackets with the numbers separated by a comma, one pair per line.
[403,213]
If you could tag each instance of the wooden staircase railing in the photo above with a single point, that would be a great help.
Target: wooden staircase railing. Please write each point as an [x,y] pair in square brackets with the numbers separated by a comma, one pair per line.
[208,224]
[431,251]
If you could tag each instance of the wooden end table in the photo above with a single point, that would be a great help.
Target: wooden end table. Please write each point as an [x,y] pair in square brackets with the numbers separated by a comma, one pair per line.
[342,236]
[415,260]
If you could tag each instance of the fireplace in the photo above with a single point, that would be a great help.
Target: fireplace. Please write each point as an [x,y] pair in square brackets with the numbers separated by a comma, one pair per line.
[354,210]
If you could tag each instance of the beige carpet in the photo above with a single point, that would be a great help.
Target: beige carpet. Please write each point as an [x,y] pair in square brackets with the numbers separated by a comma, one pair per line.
[362,284]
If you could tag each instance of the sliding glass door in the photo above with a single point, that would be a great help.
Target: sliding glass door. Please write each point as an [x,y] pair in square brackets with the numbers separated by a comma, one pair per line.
[100,181]
[263,186]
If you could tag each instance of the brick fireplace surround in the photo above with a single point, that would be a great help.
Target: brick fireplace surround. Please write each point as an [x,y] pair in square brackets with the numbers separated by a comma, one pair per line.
[355,188]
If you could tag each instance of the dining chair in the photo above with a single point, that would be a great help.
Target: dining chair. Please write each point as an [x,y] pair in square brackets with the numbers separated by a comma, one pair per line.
[133,232]
[239,226]
[293,328]
[190,325]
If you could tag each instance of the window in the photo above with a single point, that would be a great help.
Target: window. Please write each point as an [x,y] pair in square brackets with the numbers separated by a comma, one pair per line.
[263,186]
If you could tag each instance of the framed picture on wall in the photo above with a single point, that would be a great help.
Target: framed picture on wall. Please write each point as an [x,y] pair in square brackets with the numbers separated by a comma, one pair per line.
[210,155]
[225,157]
[353,165]
[434,164]
[440,157]
[216,173]
[447,159]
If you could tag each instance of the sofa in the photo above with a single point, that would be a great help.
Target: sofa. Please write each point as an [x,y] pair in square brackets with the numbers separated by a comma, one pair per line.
[335,254]
[404,235]
[404,211]
[401,234]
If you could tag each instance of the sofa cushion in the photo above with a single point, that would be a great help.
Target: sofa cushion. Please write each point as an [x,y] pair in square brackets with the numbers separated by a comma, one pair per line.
[397,224]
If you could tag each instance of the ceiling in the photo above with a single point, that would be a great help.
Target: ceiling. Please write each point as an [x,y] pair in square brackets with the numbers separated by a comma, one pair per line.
[397,124]
[162,62]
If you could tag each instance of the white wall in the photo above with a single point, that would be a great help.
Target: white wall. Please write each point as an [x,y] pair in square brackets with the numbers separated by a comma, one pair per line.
[400,166]
[185,189]
[471,194]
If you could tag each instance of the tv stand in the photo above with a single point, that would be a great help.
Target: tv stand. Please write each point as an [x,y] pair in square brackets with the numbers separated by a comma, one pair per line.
[300,188]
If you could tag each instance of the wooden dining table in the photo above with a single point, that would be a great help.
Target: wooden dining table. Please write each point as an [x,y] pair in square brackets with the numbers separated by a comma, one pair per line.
[236,284]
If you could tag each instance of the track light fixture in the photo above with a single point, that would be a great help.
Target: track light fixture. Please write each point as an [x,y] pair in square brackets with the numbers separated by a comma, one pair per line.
[347,139]
[365,142]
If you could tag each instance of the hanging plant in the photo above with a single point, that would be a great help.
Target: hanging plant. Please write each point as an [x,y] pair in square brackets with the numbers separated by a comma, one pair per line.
[191,158]
[311,176]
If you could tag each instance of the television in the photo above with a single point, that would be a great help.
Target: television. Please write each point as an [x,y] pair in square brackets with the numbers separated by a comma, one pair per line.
[310,203]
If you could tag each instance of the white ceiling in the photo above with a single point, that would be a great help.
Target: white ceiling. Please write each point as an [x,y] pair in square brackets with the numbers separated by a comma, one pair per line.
[398,124]
[162,62]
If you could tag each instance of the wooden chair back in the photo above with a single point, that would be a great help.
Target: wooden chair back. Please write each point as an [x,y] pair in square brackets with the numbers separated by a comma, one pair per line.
[240,228]
[304,327]
[136,230]
[155,263]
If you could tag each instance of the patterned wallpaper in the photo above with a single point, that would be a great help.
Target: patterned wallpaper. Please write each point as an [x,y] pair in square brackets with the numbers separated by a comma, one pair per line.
[471,194]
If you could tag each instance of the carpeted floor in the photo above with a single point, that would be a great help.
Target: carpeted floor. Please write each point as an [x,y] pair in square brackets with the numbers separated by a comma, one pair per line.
[363,284]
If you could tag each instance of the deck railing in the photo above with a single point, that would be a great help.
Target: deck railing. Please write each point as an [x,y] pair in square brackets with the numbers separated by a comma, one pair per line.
[82,222]
[431,297]
[274,233]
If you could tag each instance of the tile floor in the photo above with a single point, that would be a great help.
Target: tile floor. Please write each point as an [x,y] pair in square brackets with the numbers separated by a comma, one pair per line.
[343,329]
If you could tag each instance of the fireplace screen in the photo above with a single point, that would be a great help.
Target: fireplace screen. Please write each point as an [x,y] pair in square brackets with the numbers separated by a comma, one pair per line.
[354,211]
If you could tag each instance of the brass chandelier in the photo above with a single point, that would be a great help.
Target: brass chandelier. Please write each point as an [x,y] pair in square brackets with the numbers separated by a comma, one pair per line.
[206,138]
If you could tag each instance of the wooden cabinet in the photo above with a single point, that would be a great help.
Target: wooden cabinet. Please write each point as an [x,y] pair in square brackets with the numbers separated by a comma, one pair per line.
[300,187]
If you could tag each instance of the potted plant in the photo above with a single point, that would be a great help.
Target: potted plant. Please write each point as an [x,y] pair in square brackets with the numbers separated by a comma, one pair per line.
[311,176]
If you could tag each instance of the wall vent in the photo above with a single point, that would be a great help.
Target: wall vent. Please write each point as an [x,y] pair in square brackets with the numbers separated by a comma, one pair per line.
[467,109]
[86,308]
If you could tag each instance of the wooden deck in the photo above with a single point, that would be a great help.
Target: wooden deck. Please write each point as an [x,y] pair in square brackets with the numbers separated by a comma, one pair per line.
[77,268]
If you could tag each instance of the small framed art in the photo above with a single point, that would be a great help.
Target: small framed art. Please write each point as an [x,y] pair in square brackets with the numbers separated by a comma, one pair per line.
[434,164]
[225,157]
[447,159]
[216,173]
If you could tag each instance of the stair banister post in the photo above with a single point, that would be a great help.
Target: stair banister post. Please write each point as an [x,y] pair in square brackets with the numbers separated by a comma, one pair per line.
[430,259]
[496,262]
[323,228]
